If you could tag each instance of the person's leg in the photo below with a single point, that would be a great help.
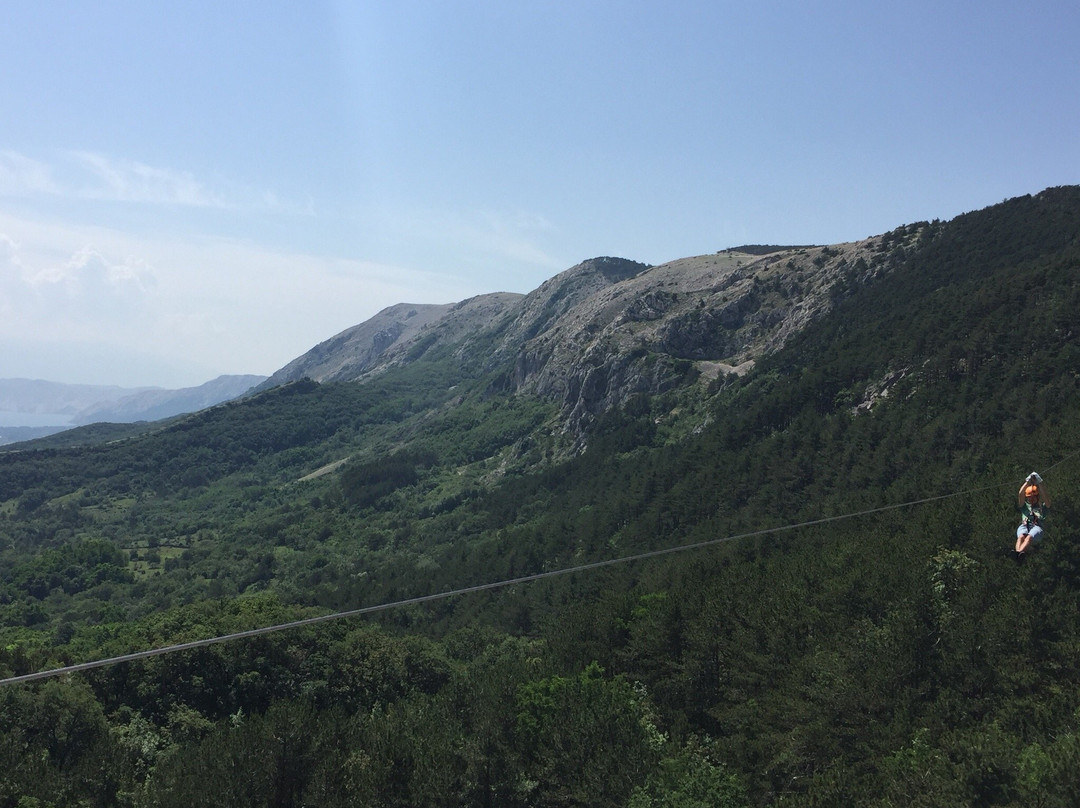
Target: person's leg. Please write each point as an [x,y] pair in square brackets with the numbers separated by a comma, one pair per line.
[1023,539]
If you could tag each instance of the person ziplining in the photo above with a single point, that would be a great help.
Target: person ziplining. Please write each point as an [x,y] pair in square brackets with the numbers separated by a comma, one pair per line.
[1034,500]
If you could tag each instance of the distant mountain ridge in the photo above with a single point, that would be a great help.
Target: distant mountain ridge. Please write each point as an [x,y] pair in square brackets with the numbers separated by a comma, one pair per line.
[36,396]
[85,404]
[155,404]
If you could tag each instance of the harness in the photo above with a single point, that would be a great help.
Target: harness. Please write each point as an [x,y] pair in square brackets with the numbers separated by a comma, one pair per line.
[1032,510]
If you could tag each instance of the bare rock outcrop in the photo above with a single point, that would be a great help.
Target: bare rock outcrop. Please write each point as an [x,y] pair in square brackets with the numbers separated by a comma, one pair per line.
[609,328]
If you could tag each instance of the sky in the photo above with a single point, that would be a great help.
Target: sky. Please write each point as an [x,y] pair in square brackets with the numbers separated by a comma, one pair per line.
[200,188]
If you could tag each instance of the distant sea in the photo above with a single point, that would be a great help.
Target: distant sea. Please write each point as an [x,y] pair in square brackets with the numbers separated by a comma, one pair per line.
[34,419]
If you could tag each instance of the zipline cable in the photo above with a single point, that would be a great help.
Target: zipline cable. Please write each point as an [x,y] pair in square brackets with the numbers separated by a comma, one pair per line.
[524,579]
[1067,457]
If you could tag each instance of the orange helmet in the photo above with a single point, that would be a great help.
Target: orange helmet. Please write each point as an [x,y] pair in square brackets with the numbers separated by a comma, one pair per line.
[1031,491]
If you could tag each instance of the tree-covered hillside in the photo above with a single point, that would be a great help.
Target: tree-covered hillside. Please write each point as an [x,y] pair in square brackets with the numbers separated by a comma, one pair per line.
[854,629]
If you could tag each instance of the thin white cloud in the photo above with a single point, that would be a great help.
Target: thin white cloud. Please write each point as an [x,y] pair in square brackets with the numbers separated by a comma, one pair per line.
[515,236]
[10,263]
[86,176]
[505,236]
[20,175]
[118,180]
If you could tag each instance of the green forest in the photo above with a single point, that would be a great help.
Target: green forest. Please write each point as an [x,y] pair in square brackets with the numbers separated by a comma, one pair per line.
[846,626]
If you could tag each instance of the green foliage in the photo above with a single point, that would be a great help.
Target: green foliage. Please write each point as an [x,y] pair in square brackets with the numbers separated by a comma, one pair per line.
[73,568]
[884,653]
[690,780]
[587,739]
[365,484]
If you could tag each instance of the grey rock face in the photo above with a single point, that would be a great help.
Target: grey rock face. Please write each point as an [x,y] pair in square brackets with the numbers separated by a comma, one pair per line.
[609,328]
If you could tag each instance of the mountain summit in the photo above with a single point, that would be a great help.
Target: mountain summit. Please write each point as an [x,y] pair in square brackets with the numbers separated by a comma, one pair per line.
[609,328]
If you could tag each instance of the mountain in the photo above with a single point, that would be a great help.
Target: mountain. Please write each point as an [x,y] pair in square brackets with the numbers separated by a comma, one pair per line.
[389,337]
[155,404]
[35,396]
[74,404]
[779,572]
[608,329]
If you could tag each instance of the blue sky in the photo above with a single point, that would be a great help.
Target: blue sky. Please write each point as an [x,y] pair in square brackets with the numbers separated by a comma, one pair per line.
[190,189]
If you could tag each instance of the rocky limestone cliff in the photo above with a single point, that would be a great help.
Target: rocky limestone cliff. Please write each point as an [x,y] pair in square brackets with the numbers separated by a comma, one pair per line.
[600,332]
[606,329]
